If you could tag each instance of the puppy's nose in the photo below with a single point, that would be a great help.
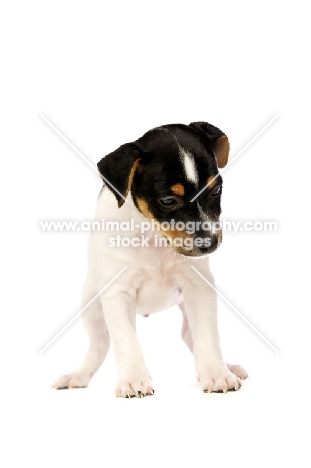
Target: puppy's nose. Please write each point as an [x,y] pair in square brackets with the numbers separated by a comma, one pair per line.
[209,245]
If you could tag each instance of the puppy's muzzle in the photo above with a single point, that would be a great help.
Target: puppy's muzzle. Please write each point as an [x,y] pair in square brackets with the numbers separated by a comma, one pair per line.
[206,243]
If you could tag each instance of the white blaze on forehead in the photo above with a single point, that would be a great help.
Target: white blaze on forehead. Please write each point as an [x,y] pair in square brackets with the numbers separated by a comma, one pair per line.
[189,166]
[205,218]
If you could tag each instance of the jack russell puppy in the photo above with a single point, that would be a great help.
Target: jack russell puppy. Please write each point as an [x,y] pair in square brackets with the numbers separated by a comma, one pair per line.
[161,202]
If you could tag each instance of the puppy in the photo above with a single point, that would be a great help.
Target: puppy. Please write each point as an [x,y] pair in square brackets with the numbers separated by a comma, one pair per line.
[142,271]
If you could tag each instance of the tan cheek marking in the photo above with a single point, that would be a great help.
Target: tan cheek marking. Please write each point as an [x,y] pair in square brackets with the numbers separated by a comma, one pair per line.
[211,183]
[170,233]
[143,208]
[131,176]
[178,189]
[174,234]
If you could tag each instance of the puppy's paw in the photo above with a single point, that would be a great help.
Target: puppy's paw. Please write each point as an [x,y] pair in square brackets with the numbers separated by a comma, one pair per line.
[238,371]
[219,381]
[134,388]
[73,380]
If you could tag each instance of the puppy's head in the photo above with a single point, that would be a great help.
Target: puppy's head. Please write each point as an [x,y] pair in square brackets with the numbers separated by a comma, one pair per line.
[165,170]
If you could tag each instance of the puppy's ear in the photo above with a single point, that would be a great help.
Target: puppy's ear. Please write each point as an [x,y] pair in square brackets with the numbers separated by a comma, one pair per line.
[118,169]
[218,140]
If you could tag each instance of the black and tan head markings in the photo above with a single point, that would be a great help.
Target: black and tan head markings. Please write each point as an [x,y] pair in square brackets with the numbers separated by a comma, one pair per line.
[168,166]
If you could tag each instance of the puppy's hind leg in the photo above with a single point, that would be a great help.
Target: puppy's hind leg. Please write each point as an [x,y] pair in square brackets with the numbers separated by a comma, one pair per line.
[187,337]
[185,329]
[94,323]
[238,371]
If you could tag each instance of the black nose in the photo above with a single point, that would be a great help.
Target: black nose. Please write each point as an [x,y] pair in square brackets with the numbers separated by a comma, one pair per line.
[209,244]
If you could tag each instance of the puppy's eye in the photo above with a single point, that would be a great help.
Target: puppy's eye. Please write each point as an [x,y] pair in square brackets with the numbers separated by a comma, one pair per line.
[216,192]
[168,202]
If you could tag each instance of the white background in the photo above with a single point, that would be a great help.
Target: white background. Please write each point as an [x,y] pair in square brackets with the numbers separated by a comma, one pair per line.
[104,73]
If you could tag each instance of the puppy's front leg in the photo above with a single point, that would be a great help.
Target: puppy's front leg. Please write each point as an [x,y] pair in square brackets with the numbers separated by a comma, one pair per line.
[133,377]
[200,307]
